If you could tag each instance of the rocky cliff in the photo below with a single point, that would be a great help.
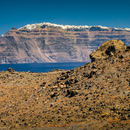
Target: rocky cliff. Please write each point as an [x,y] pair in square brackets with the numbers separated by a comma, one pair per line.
[46,42]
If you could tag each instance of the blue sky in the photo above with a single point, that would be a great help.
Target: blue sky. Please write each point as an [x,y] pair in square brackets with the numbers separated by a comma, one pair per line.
[17,13]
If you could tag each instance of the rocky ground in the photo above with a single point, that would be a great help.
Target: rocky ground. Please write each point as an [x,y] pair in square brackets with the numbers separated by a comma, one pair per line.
[40,43]
[93,96]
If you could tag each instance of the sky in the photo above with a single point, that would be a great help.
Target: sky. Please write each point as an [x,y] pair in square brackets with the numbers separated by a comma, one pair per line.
[111,13]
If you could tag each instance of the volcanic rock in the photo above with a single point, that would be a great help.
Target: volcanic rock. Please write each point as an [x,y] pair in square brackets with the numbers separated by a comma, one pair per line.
[108,49]
[11,70]
[93,96]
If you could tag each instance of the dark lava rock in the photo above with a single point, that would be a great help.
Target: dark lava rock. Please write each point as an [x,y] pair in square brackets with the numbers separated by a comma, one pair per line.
[43,84]
[71,93]
[11,70]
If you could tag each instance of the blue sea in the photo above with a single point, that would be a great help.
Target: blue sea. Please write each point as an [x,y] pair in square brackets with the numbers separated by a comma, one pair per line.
[41,67]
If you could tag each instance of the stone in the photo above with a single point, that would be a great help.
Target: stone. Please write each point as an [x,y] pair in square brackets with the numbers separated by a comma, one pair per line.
[71,93]
[11,70]
[108,49]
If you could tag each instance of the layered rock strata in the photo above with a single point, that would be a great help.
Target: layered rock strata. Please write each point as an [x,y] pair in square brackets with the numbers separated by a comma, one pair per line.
[47,42]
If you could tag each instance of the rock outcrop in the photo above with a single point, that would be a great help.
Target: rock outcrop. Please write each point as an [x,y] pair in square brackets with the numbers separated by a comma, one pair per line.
[108,49]
[47,42]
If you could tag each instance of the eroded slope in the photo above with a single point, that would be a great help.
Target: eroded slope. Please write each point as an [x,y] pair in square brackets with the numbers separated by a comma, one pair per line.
[95,95]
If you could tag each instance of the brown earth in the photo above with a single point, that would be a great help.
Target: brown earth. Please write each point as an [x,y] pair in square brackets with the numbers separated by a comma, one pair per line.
[93,96]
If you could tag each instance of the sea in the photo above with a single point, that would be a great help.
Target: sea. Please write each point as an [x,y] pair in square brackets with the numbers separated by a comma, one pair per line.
[41,67]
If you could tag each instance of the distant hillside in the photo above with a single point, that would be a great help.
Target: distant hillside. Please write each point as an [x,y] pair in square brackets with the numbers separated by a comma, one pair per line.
[46,42]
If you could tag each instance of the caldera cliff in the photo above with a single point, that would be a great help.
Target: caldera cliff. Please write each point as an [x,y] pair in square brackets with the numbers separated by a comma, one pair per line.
[46,42]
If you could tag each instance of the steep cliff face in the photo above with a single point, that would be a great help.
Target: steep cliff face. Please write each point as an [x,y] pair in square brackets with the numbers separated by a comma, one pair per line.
[47,42]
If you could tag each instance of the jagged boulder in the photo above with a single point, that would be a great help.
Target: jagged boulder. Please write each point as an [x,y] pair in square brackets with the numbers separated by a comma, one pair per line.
[108,49]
